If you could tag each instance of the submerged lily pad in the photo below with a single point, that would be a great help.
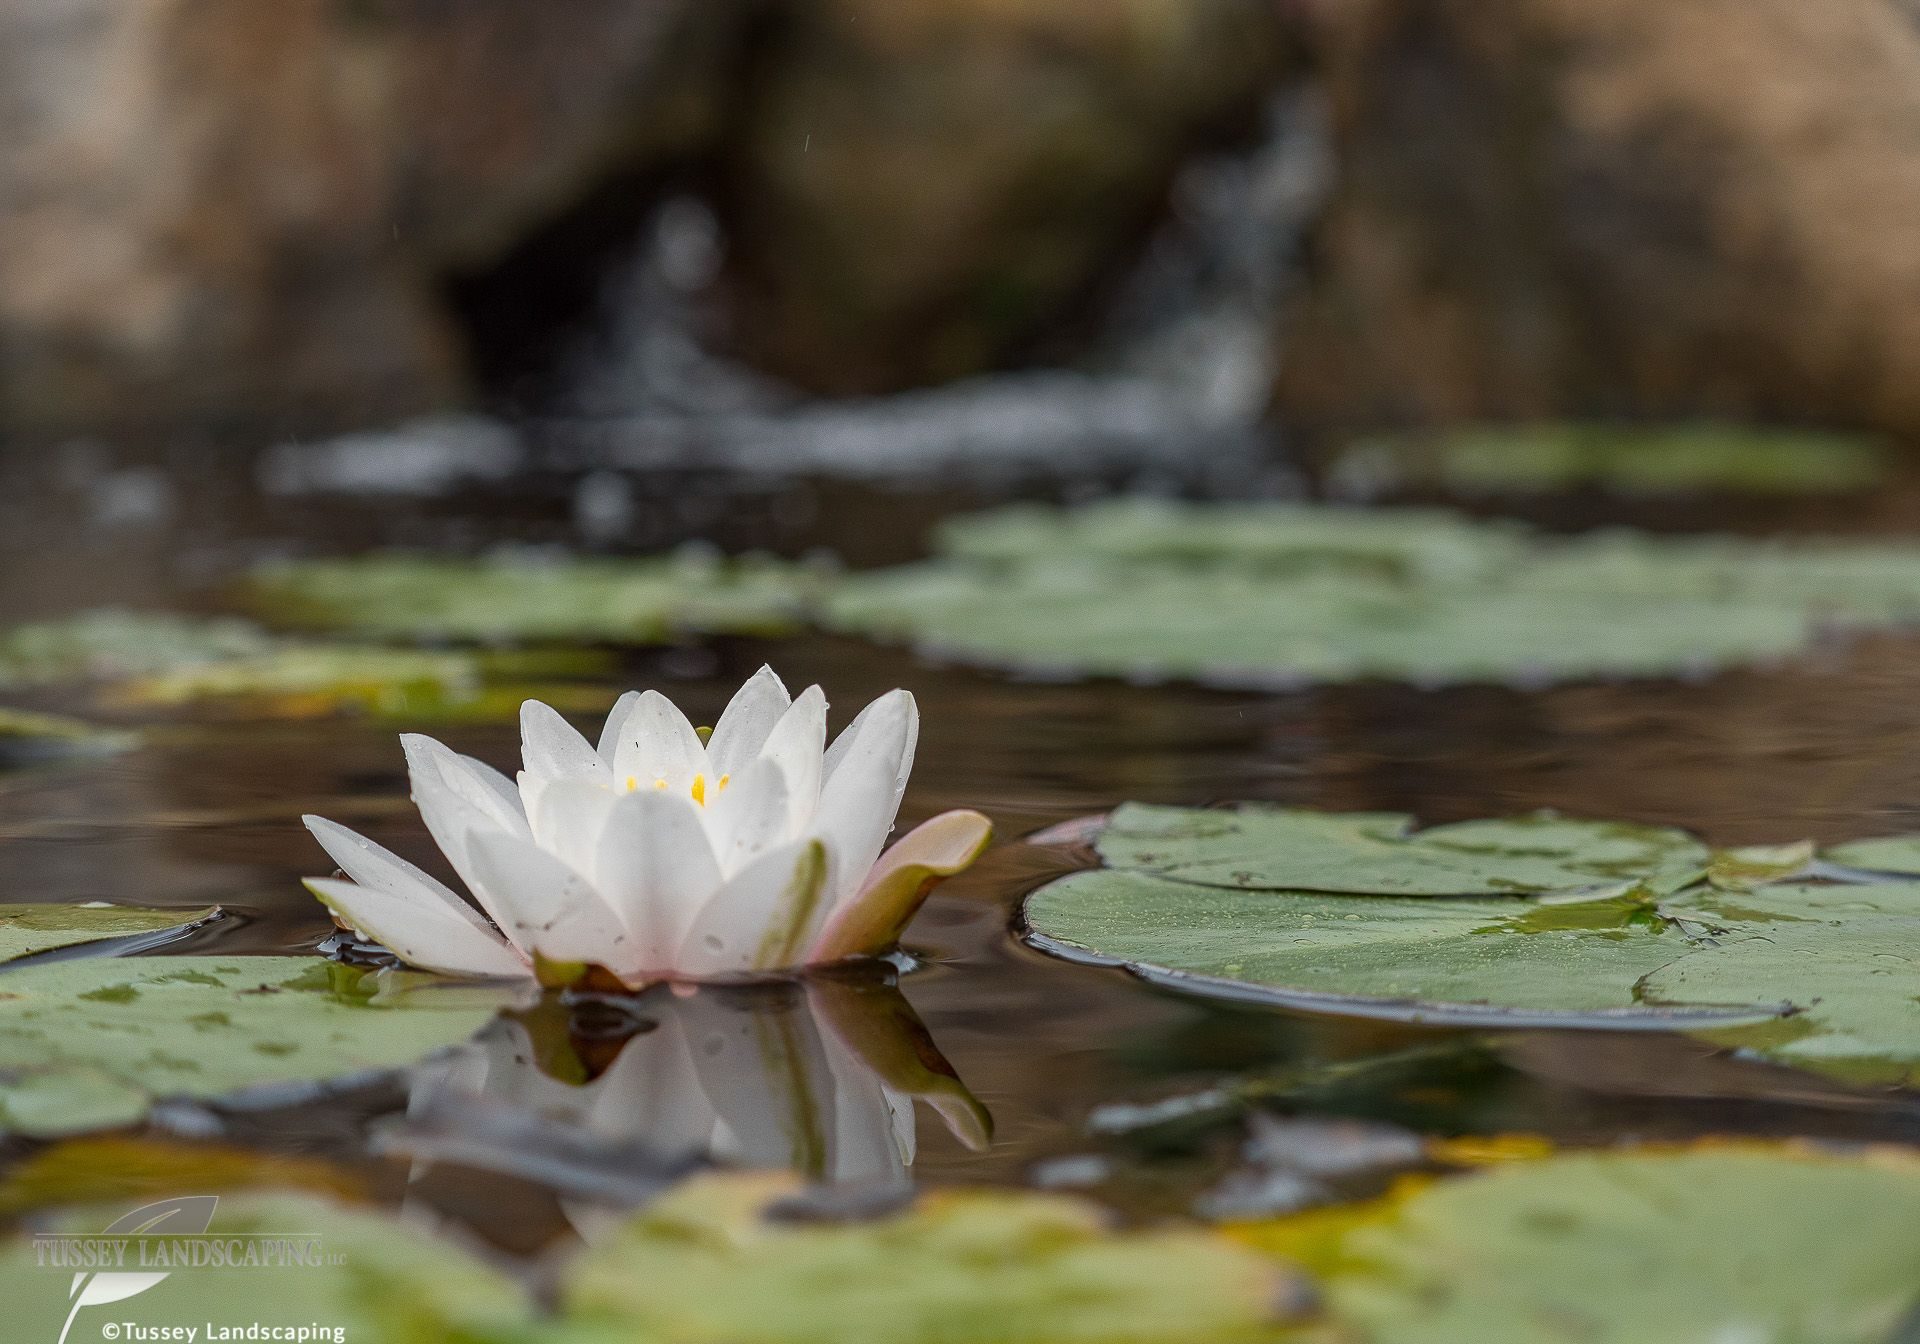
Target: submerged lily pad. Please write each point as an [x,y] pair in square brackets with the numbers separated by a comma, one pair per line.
[1736,1243]
[89,1043]
[704,1263]
[1364,853]
[26,929]
[1264,595]
[119,1169]
[1623,459]
[646,601]
[303,1262]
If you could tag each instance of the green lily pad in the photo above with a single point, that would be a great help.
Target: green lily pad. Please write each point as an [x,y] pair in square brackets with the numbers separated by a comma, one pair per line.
[27,739]
[1882,854]
[1846,956]
[646,601]
[26,929]
[1622,459]
[1266,595]
[960,1266]
[85,1044]
[1737,1243]
[1485,962]
[1377,853]
[107,645]
[374,1278]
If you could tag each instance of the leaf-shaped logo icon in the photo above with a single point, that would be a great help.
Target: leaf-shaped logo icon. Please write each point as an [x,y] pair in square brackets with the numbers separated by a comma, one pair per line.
[187,1215]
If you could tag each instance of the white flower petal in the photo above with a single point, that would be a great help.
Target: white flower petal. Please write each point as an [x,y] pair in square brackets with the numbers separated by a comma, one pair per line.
[423,935]
[616,720]
[569,816]
[656,869]
[549,908]
[750,815]
[843,744]
[454,813]
[374,866]
[551,747]
[658,744]
[479,784]
[796,743]
[745,723]
[761,919]
[858,804]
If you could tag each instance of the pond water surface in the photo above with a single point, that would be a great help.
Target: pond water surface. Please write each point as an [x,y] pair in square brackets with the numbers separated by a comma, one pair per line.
[1060,1056]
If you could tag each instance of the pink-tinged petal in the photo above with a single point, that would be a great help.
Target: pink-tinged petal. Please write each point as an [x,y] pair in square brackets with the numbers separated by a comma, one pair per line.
[874,919]
[745,723]
[569,816]
[374,866]
[550,909]
[656,869]
[843,744]
[475,782]
[751,815]
[658,744]
[616,721]
[553,748]
[424,935]
[760,919]
[858,804]
[796,744]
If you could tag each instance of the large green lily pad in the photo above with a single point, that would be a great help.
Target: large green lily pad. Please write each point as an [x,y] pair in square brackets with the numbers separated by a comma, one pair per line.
[1623,459]
[89,1043]
[1741,1243]
[1265,595]
[961,1267]
[1846,956]
[1286,907]
[371,1276]
[1379,853]
[644,601]
[26,929]
[1485,962]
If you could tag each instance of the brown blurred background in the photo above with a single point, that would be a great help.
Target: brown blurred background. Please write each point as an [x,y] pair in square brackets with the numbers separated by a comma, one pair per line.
[315,215]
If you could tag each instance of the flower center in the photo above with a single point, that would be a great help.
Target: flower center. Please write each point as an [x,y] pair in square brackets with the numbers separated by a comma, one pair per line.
[697,790]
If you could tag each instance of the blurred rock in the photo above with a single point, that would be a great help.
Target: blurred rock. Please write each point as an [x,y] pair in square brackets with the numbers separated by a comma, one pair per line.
[924,187]
[225,210]
[1589,206]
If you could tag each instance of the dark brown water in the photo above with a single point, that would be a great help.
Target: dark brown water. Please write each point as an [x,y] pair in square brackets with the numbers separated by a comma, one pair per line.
[1826,748]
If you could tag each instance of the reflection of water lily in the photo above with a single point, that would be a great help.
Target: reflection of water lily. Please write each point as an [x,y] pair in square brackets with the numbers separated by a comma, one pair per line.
[660,854]
[819,1076]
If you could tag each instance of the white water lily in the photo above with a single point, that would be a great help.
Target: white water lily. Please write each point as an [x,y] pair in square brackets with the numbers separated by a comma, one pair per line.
[659,855]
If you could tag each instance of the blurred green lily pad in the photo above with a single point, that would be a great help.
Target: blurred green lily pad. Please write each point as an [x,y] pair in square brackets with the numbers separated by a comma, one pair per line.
[1744,1242]
[1881,854]
[89,1043]
[110,646]
[313,1264]
[27,738]
[1274,595]
[26,929]
[1379,853]
[1620,459]
[520,599]
[705,1263]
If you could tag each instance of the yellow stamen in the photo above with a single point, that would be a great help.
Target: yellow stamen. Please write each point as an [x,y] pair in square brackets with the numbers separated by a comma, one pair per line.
[633,782]
[699,790]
